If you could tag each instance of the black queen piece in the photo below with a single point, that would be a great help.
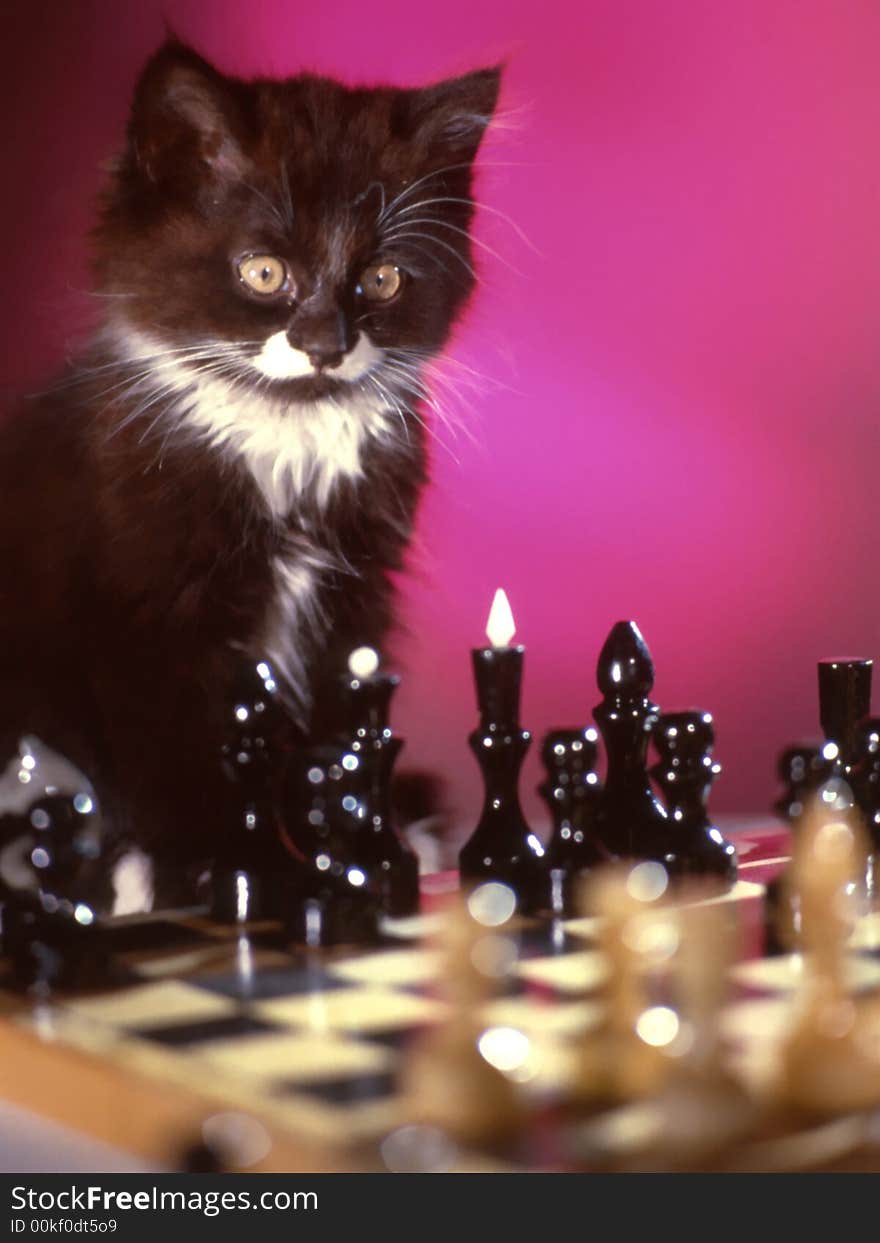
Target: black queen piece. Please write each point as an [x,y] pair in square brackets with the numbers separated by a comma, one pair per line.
[390,863]
[502,847]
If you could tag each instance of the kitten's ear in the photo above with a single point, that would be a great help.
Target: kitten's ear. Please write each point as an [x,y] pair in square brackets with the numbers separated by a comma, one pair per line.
[452,116]
[184,113]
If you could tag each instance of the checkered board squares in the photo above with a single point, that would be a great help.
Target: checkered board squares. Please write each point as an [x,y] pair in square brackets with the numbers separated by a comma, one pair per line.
[561,1020]
[391,968]
[167,1003]
[352,1009]
[255,982]
[568,973]
[288,1056]
[786,973]
[315,1041]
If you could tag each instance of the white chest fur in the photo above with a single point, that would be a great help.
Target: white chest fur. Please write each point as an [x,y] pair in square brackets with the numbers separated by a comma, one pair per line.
[288,449]
[296,619]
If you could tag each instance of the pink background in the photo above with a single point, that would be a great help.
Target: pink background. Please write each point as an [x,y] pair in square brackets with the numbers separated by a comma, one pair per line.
[679,420]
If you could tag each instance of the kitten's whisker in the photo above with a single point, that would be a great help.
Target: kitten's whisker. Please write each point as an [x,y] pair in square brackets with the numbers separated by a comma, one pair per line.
[412,380]
[84,372]
[132,381]
[387,397]
[444,224]
[437,241]
[286,195]
[166,389]
[407,191]
[480,207]
[479,381]
[273,207]
[216,370]
[411,383]
[415,415]
[97,293]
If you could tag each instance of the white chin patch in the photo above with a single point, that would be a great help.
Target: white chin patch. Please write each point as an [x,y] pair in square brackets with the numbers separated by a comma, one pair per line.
[280,361]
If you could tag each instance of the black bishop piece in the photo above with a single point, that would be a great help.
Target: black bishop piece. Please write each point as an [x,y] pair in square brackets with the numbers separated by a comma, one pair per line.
[631,822]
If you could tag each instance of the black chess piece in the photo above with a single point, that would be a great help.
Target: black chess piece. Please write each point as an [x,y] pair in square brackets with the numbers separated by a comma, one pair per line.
[390,863]
[572,792]
[502,847]
[844,702]
[802,769]
[631,823]
[685,771]
[250,863]
[332,900]
[867,777]
[54,885]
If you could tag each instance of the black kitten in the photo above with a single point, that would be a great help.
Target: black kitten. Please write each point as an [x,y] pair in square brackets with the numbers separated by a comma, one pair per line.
[234,467]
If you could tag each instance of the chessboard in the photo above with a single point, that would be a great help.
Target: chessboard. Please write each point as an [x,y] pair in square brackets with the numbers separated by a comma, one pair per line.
[217,1021]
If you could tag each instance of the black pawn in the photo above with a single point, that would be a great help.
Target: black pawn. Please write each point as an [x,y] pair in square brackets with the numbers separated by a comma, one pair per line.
[802,770]
[502,847]
[250,863]
[53,933]
[631,822]
[685,771]
[572,792]
[390,863]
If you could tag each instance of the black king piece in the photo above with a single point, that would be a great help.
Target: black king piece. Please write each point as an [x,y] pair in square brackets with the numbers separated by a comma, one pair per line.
[850,734]
[844,702]
[502,847]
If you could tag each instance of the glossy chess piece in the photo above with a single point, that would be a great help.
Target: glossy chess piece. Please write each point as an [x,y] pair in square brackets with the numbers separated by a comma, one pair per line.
[390,863]
[867,779]
[54,888]
[503,847]
[331,901]
[250,862]
[802,769]
[844,702]
[631,823]
[571,790]
[685,771]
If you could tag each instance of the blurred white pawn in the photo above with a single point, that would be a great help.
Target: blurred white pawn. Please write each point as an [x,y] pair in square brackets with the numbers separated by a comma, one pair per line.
[830,1060]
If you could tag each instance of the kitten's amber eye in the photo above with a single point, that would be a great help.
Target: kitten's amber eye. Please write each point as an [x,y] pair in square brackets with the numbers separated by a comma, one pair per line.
[380,282]
[263,274]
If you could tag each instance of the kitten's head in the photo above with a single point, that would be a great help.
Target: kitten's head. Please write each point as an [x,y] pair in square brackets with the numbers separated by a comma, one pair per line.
[299,236]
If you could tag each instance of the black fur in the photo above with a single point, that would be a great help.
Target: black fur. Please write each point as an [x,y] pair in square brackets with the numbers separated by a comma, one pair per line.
[135,558]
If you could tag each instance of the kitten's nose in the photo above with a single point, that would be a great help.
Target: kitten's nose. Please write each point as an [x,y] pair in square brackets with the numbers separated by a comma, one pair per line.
[323,337]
